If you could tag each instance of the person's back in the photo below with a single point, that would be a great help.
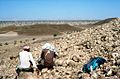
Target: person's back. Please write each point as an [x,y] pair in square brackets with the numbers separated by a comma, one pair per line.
[48,57]
[24,59]
[27,62]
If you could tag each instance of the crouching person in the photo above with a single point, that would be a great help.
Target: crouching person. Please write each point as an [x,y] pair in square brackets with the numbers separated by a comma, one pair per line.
[27,63]
[47,56]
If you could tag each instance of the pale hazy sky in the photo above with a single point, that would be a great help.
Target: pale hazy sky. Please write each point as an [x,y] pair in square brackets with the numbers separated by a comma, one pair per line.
[58,9]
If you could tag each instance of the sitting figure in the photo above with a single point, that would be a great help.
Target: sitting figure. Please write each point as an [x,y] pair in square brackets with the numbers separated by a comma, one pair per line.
[27,63]
[47,56]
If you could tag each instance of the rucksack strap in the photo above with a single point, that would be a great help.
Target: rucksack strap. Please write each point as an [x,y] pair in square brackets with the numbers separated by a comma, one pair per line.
[47,53]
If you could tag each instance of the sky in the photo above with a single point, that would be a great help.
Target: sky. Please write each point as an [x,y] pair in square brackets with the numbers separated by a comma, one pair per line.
[58,9]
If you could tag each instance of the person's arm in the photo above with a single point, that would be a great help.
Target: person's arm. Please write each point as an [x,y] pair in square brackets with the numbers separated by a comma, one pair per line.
[19,62]
[42,55]
[19,59]
[32,60]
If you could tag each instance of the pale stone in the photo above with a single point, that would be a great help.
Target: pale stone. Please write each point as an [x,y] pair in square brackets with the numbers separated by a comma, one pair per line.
[44,70]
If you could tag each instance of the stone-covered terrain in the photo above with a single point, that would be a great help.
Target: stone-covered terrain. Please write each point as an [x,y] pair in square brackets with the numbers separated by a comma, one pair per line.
[74,50]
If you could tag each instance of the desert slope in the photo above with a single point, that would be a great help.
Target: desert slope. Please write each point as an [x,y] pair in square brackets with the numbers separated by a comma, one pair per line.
[74,50]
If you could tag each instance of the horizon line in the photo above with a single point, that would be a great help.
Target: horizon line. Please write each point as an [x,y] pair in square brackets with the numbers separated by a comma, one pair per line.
[53,19]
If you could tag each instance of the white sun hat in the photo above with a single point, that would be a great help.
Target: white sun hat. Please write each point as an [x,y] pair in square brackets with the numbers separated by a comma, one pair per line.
[49,46]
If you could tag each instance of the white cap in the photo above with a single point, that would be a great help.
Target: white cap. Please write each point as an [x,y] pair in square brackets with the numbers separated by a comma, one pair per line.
[26,47]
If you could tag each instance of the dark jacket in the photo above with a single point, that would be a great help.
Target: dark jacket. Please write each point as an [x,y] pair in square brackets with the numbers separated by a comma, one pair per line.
[48,56]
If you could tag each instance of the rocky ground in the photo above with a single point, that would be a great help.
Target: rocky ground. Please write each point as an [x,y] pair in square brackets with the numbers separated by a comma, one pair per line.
[74,50]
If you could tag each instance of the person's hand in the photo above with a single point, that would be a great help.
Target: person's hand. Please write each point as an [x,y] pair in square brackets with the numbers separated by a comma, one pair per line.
[36,71]
[39,60]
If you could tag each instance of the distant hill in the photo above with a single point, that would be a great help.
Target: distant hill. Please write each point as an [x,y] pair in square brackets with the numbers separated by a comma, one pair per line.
[105,21]
[40,29]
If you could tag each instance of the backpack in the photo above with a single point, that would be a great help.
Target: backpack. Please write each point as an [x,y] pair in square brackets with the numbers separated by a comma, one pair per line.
[94,63]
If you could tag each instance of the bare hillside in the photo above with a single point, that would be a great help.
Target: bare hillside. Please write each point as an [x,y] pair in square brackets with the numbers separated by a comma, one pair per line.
[74,50]
[40,29]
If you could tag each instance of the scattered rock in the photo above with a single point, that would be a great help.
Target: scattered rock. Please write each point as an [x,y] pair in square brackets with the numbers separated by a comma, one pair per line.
[44,70]
[75,49]
[109,72]
[118,62]
[75,58]
[1,77]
